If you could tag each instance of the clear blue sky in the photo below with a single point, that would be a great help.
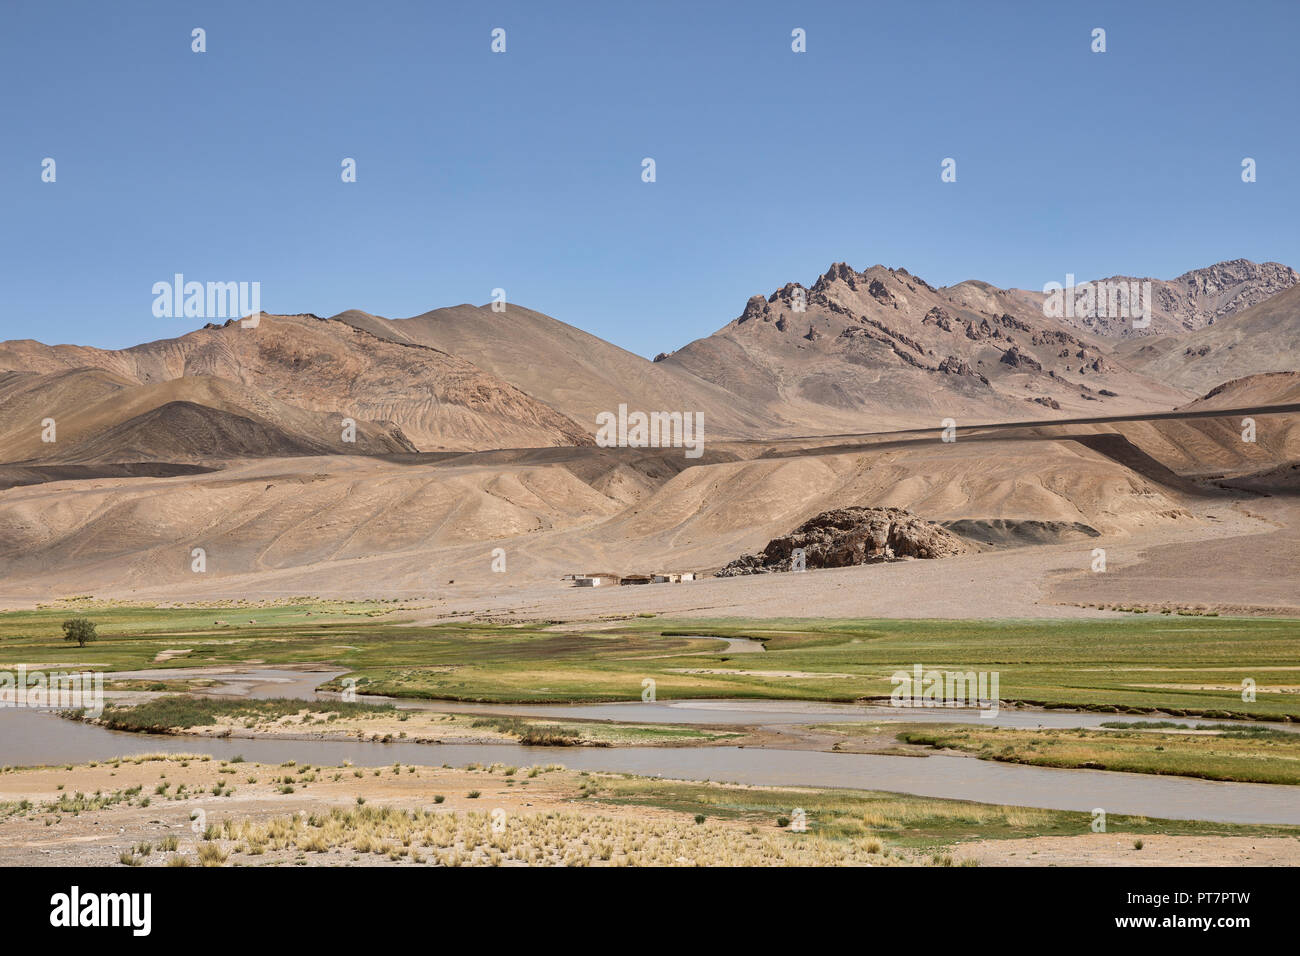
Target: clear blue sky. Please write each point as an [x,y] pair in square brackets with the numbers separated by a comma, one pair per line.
[522,170]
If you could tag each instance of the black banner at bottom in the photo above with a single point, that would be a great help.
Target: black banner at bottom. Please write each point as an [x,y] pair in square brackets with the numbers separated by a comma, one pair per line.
[147,905]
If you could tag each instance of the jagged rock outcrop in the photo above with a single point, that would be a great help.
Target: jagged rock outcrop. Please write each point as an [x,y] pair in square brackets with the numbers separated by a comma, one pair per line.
[755,308]
[878,292]
[938,316]
[788,293]
[851,536]
[952,365]
[840,271]
[982,331]
[1018,359]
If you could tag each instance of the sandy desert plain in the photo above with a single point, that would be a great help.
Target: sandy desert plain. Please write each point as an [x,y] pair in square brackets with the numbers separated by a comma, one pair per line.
[328,651]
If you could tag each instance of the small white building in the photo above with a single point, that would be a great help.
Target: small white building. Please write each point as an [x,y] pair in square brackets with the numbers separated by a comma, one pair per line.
[673,577]
[595,580]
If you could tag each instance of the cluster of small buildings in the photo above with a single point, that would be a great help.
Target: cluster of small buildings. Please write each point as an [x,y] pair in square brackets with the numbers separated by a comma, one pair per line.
[595,579]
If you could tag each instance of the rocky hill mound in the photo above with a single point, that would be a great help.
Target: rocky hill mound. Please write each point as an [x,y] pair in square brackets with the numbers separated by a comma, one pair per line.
[851,536]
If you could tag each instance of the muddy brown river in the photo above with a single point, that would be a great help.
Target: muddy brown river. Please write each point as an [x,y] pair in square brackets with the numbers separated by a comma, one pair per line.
[30,737]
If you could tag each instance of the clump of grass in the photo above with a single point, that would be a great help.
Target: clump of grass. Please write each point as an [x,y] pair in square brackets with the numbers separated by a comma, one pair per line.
[210,854]
[530,733]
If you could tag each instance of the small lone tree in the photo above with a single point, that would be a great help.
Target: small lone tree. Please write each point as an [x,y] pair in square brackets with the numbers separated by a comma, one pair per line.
[79,629]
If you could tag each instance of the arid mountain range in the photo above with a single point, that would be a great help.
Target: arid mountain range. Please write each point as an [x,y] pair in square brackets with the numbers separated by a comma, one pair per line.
[1196,299]
[414,396]
[358,455]
[855,352]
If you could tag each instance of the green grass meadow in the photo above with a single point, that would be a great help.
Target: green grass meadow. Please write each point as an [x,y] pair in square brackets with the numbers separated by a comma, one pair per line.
[1182,666]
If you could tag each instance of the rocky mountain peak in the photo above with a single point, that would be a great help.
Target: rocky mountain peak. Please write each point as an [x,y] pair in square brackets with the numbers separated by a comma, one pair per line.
[838,272]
